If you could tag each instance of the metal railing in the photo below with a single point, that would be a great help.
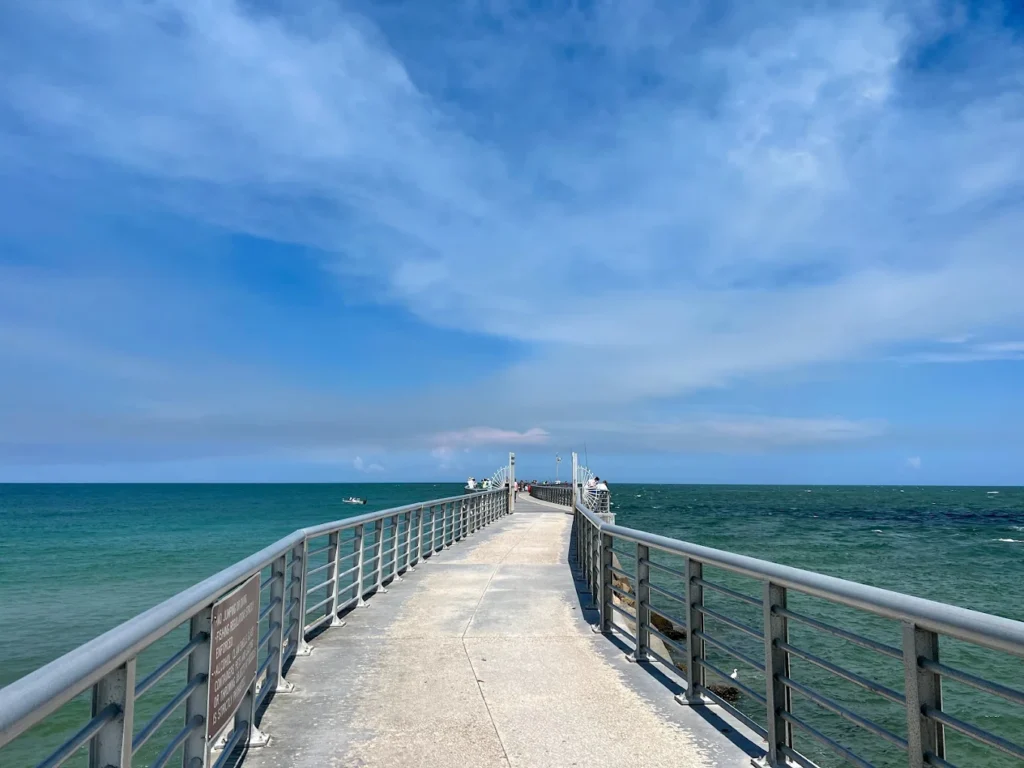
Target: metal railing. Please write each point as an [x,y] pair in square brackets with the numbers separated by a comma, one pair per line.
[554,494]
[586,488]
[664,600]
[306,580]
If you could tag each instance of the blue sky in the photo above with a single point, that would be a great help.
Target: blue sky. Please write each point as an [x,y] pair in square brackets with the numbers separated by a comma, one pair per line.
[722,242]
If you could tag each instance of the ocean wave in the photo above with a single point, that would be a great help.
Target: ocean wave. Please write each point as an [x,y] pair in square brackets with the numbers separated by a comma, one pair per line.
[1012,541]
[877,530]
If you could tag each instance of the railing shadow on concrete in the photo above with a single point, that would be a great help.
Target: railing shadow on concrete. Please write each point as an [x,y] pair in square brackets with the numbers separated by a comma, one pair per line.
[134,672]
[670,682]
[695,639]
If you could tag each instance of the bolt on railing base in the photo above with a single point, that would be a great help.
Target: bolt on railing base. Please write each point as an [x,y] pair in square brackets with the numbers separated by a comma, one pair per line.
[632,658]
[304,649]
[337,621]
[284,686]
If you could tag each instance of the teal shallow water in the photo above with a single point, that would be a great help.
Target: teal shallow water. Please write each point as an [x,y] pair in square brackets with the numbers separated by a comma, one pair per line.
[77,560]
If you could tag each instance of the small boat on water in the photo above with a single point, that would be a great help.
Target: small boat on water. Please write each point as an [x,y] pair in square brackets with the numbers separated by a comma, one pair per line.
[353,500]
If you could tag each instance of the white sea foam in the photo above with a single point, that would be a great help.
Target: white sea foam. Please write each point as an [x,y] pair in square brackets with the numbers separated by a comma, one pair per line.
[1012,541]
[877,530]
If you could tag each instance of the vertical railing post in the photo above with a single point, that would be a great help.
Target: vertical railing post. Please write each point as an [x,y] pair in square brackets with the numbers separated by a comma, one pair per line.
[396,540]
[359,544]
[279,599]
[642,603]
[588,549]
[575,483]
[581,544]
[449,538]
[298,582]
[511,482]
[419,536]
[577,526]
[607,614]
[378,555]
[694,623]
[112,746]
[923,690]
[408,540]
[245,717]
[334,556]
[778,698]
[195,749]
[433,529]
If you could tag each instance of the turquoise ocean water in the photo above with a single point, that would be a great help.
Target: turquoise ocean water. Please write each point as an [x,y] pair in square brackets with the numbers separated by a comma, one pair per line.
[76,560]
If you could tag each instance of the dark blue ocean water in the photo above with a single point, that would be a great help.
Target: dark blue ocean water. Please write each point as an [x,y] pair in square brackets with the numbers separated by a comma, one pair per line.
[76,560]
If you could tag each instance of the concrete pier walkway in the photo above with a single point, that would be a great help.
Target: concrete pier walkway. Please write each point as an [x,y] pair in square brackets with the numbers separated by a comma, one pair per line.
[483,656]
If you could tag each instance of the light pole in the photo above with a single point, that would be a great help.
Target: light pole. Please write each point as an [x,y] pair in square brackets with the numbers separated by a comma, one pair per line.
[558,460]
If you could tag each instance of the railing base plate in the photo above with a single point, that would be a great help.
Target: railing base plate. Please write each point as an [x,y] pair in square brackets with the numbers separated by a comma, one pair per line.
[700,701]
[258,738]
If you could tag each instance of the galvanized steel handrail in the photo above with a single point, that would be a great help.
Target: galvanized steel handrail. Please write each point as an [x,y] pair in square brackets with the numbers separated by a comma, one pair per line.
[553,494]
[107,663]
[923,622]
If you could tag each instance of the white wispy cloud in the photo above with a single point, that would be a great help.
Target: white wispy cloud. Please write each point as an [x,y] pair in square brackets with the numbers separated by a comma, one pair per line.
[781,191]
[724,432]
[964,352]
[914,462]
[361,466]
[476,436]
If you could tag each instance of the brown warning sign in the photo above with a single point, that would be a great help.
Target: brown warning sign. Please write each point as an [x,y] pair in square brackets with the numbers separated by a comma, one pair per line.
[233,649]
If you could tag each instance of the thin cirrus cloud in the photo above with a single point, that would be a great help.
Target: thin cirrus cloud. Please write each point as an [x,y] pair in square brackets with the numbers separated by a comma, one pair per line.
[962,351]
[696,201]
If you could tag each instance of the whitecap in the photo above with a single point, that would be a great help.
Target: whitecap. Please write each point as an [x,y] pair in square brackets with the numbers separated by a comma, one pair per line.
[1012,541]
[877,530]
